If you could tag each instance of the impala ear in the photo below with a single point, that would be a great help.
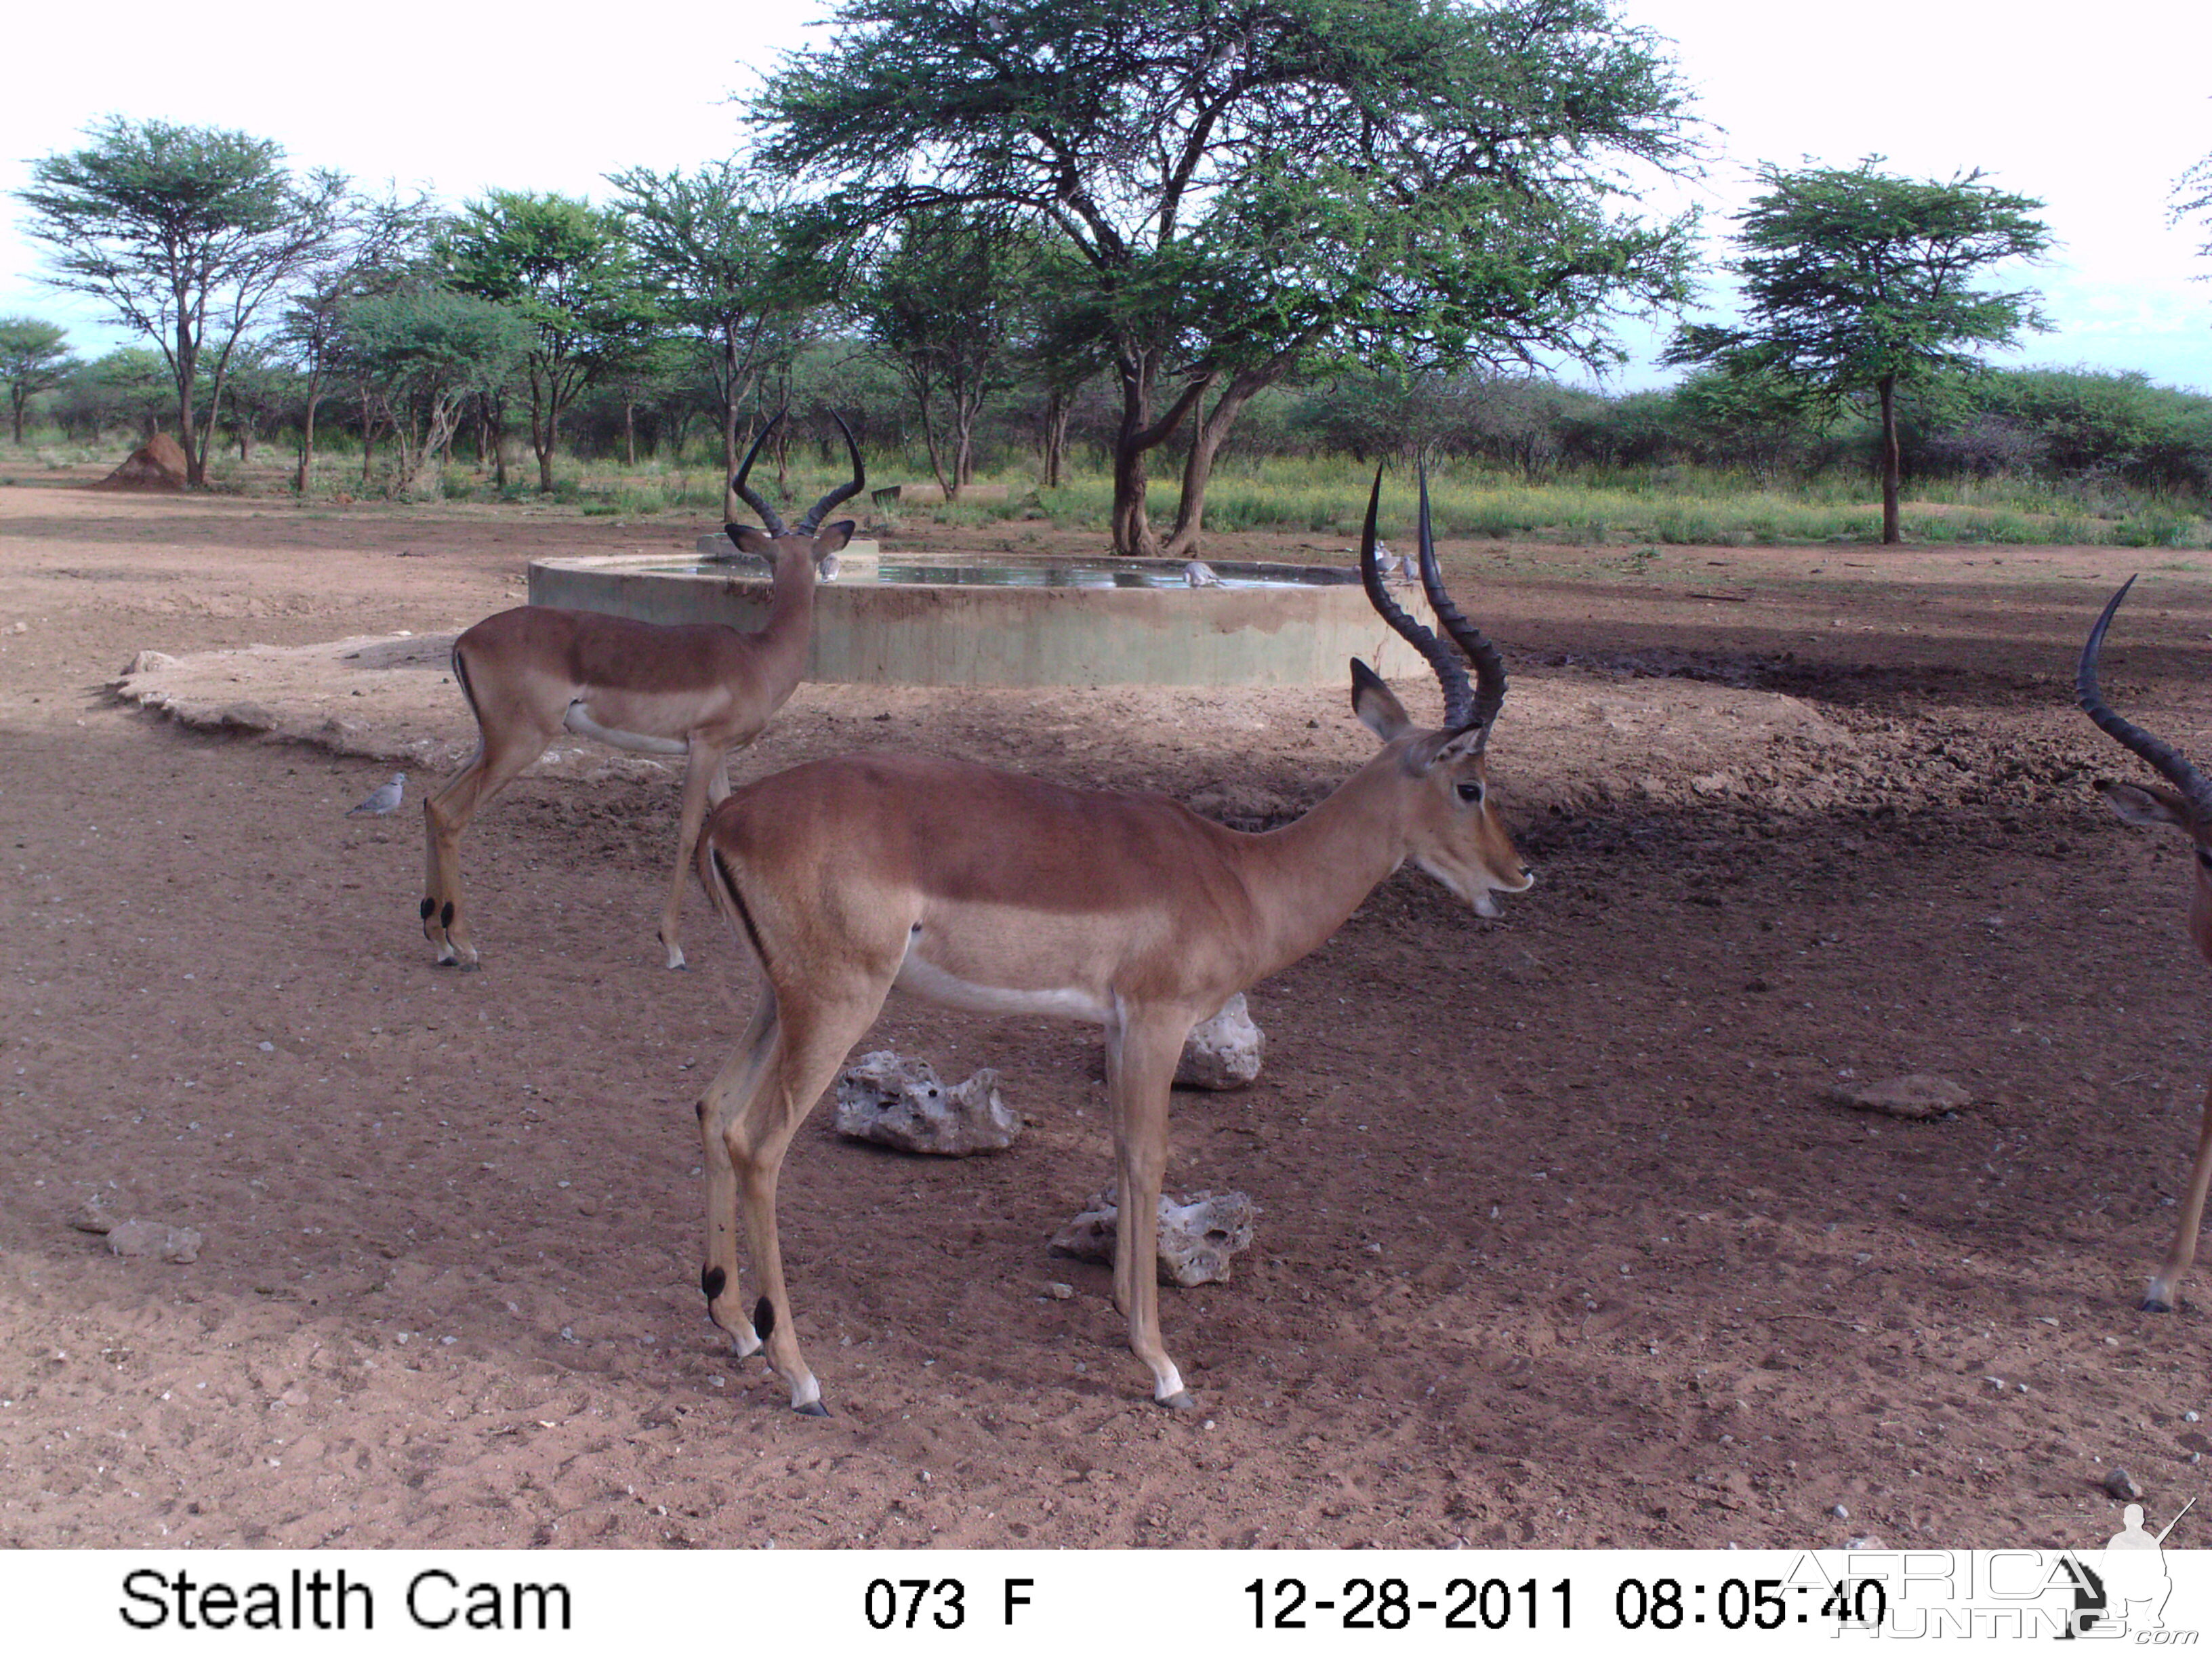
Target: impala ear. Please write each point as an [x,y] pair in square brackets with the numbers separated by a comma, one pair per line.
[748,539]
[1376,704]
[832,538]
[2146,804]
[1446,746]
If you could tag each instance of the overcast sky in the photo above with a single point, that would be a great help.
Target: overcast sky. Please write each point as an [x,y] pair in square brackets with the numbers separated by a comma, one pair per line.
[2095,111]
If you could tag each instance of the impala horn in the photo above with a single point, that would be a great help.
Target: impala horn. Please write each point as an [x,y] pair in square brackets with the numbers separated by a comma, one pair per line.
[1465,707]
[768,516]
[2162,756]
[1489,664]
[813,521]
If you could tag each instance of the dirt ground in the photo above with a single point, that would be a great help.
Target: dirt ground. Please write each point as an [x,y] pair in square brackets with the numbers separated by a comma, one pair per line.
[1562,1241]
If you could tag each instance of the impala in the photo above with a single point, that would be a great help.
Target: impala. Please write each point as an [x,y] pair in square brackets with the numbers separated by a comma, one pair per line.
[990,891]
[699,691]
[2187,806]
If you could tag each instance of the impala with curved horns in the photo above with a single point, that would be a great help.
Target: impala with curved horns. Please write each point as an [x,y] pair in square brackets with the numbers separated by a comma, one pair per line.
[993,891]
[696,690]
[2187,806]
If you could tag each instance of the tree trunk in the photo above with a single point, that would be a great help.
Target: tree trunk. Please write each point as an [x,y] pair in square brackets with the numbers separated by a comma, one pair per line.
[186,365]
[16,398]
[1135,439]
[1057,405]
[629,433]
[926,404]
[299,479]
[1206,437]
[1891,461]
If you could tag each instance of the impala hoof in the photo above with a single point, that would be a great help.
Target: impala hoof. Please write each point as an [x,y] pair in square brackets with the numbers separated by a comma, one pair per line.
[812,1408]
[2153,1304]
[1179,1402]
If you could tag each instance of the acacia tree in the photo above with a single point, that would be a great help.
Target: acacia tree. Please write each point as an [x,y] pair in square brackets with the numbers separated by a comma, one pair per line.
[422,354]
[1858,282]
[730,264]
[566,267]
[946,304]
[185,233]
[1250,184]
[378,243]
[33,359]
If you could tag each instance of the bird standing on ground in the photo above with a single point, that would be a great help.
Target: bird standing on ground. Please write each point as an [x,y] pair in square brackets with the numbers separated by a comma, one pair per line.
[384,798]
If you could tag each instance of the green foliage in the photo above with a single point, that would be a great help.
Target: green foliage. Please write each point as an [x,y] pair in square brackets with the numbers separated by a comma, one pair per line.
[1858,282]
[734,264]
[1853,277]
[180,230]
[566,267]
[34,358]
[1249,188]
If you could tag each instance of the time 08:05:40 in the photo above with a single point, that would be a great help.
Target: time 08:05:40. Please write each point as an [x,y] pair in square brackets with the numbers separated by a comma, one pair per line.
[1390,1604]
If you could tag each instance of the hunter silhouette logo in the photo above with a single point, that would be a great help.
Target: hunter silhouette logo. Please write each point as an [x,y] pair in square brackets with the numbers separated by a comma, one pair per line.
[2128,1588]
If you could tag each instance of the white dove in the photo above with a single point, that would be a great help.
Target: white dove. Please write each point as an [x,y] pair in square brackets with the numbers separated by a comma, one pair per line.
[384,798]
[1199,573]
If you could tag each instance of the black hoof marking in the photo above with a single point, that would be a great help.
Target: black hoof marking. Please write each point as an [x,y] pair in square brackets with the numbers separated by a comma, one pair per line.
[2151,1304]
[446,916]
[429,905]
[812,1408]
[764,1319]
[1180,1402]
[711,1280]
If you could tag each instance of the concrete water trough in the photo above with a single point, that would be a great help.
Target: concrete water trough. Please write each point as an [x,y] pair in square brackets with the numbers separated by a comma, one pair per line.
[937,619]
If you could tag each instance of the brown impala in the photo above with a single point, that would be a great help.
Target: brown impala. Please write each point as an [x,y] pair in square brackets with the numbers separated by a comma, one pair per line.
[2188,807]
[698,690]
[990,891]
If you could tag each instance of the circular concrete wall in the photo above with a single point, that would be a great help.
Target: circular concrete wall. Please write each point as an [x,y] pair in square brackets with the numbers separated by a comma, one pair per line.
[934,620]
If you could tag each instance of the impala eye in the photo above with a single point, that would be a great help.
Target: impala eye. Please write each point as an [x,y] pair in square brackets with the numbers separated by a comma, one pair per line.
[1472,792]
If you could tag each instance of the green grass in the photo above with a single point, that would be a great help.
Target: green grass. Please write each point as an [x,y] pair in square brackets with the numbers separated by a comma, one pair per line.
[1326,497]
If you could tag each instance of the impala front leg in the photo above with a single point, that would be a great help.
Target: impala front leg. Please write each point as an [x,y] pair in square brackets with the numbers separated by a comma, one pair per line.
[1140,1062]
[2159,1298]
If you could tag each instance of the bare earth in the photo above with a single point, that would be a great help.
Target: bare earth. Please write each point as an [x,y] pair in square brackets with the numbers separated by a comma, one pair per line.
[1562,1241]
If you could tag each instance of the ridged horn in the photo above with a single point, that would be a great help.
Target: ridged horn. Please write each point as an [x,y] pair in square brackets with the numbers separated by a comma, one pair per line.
[767,514]
[1489,664]
[813,521]
[2163,757]
[1451,672]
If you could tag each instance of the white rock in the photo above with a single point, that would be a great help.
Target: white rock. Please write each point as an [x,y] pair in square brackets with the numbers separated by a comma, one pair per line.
[1198,1235]
[152,1238]
[1223,1052]
[900,1102]
[1921,1095]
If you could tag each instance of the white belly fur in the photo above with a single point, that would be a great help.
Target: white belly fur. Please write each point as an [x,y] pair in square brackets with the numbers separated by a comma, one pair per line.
[577,720]
[933,983]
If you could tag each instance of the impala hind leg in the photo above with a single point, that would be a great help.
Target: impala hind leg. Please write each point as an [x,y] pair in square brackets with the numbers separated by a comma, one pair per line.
[2159,1298]
[733,1086]
[1140,1062]
[810,1042]
[445,816]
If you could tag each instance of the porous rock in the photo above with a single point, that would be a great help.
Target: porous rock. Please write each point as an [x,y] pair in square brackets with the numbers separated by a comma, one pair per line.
[900,1102]
[153,1238]
[1223,1052]
[1198,1235]
[2120,1485]
[1921,1095]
